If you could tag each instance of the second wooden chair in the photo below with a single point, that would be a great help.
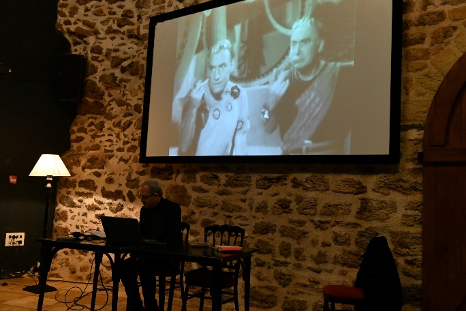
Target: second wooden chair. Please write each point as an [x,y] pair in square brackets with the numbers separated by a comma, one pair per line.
[225,235]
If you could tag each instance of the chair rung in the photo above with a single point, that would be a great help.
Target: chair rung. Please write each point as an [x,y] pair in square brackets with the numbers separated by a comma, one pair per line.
[198,295]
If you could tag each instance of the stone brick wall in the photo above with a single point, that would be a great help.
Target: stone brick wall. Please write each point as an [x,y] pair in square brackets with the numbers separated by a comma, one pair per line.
[310,223]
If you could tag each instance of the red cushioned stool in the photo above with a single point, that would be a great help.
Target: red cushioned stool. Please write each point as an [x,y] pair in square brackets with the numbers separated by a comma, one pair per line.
[377,286]
[342,294]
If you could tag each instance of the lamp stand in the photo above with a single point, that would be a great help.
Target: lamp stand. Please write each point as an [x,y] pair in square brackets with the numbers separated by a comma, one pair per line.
[48,188]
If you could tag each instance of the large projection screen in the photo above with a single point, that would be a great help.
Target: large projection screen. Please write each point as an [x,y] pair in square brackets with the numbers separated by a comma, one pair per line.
[276,81]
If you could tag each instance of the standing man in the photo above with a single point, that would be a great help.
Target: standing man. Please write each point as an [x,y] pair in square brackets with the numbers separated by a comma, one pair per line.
[217,116]
[160,219]
[301,93]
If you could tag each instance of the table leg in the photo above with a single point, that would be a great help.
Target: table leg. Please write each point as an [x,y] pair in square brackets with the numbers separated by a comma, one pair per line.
[116,280]
[98,260]
[174,269]
[46,261]
[215,290]
[162,280]
[247,281]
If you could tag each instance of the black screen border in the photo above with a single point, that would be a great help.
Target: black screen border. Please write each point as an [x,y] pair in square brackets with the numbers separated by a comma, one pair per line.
[393,156]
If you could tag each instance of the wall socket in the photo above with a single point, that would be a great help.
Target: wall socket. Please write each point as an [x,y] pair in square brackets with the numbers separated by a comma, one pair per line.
[14,239]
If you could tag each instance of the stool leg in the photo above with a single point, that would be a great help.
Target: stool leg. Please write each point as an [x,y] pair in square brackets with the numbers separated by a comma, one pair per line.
[201,301]
[185,298]
[326,305]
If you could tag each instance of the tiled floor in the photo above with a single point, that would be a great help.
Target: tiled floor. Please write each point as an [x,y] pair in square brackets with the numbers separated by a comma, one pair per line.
[14,298]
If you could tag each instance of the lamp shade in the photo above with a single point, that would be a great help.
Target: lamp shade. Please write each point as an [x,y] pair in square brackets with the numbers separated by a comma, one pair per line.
[49,165]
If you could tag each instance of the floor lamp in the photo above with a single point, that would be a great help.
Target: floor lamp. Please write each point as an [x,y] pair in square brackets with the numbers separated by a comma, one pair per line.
[48,166]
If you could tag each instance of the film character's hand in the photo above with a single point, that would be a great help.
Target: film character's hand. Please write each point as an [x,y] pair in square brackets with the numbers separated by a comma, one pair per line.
[196,95]
[277,87]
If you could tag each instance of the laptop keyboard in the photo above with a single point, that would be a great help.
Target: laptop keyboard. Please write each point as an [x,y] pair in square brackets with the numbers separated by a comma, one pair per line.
[148,241]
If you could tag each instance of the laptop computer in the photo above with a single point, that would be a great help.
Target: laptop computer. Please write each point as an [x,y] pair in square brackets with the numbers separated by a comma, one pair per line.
[125,231]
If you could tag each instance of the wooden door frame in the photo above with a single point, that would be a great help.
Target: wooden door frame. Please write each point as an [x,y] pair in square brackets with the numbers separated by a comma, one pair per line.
[443,159]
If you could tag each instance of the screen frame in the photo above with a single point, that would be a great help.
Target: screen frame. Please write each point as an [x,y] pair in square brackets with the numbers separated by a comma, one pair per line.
[392,157]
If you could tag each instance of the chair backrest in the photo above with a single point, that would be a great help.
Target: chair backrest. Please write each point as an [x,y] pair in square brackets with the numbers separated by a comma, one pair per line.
[185,228]
[228,235]
[225,234]
[379,278]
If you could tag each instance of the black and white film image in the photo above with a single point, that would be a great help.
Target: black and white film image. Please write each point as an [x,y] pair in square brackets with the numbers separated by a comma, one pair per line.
[258,77]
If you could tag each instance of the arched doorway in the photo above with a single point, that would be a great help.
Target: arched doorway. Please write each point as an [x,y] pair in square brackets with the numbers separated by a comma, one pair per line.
[444,212]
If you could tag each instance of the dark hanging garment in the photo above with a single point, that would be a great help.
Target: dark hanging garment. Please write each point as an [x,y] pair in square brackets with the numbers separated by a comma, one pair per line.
[379,278]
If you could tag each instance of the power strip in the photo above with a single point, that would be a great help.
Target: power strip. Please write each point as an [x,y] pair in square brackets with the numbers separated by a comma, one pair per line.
[14,239]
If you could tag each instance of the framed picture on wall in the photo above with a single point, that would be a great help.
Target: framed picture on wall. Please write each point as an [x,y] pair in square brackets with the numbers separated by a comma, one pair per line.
[278,81]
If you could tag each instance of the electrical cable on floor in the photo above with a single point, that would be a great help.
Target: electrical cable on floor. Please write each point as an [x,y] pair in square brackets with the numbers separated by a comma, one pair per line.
[29,272]
[75,302]
[103,288]
[32,274]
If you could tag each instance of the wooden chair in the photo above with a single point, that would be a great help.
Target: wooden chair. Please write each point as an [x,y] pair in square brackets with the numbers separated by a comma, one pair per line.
[179,271]
[220,235]
[377,285]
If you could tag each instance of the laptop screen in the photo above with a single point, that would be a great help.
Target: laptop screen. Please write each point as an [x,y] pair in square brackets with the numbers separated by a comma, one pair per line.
[121,230]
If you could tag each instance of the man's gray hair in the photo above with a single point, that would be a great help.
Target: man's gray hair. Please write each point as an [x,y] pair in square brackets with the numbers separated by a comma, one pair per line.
[306,21]
[154,187]
[222,45]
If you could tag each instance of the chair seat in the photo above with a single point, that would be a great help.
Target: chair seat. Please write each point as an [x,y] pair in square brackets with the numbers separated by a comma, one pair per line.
[202,277]
[343,294]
